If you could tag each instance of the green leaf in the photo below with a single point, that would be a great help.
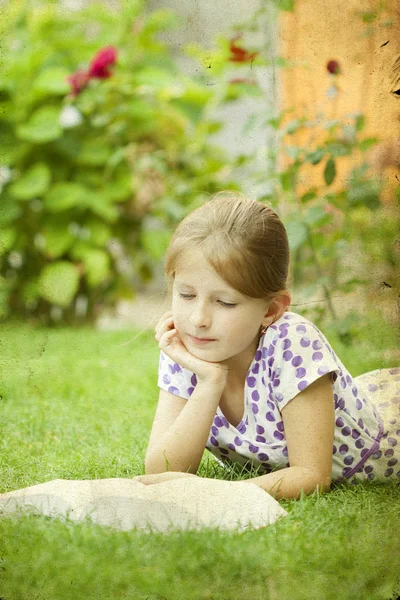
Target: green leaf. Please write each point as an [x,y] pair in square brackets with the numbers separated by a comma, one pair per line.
[99,203]
[52,81]
[57,237]
[315,157]
[154,78]
[33,182]
[155,242]
[93,152]
[292,126]
[100,233]
[338,148]
[63,196]
[58,283]
[297,234]
[42,127]
[286,5]
[288,180]
[330,171]
[367,143]
[310,195]
[360,122]
[96,262]
[8,237]
[10,210]
[316,215]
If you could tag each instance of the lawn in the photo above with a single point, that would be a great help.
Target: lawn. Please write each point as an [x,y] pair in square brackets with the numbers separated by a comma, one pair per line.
[79,404]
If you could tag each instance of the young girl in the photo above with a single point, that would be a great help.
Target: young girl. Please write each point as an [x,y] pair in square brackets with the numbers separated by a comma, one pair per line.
[263,387]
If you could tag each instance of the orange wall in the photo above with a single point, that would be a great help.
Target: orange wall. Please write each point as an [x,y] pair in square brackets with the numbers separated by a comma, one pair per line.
[320,30]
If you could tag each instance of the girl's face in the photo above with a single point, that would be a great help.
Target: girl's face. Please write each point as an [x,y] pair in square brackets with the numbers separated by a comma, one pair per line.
[205,306]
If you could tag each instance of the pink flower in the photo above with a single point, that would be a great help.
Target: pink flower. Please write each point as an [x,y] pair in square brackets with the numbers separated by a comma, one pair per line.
[78,81]
[333,67]
[239,54]
[99,67]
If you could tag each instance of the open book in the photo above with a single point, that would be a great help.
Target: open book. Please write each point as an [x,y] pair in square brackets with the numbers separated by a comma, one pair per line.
[180,504]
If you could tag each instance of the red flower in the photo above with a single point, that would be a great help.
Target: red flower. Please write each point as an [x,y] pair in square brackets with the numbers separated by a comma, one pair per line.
[333,67]
[99,67]
[78,81]
[239,54]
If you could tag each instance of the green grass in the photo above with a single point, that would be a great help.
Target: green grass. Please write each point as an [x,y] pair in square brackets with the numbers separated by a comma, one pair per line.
[79,404]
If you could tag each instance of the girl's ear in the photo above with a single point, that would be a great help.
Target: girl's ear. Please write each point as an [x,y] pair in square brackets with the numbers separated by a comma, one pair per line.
[278,306]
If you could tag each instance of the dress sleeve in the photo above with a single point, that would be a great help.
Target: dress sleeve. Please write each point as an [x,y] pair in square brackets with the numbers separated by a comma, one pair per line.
[302,354]
[173,378]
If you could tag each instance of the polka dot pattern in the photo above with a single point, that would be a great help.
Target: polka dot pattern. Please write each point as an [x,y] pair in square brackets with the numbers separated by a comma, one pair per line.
[291,355]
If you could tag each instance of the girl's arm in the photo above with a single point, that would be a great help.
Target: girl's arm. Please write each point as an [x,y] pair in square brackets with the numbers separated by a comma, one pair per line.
[309,422]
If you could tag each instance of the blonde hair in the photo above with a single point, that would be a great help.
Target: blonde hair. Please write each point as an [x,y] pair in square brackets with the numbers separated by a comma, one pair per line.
[242,239]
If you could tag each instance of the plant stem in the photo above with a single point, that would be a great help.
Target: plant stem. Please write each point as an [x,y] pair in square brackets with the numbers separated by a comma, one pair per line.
[319,271]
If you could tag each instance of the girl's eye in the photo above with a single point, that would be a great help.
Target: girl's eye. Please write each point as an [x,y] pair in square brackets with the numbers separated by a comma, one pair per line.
[223,303]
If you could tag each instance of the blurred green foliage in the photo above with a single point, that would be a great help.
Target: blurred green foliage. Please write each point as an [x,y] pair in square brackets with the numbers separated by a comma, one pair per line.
[93,184]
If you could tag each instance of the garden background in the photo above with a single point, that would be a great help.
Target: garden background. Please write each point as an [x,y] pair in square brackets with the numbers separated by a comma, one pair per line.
[116,120]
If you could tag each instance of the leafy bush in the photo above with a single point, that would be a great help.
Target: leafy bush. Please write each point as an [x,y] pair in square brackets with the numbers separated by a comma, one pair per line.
[103,152]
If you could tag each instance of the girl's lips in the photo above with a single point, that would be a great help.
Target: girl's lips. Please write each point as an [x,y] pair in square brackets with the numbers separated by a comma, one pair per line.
[199,341]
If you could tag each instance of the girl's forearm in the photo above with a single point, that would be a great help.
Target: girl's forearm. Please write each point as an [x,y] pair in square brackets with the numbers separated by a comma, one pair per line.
[288,483]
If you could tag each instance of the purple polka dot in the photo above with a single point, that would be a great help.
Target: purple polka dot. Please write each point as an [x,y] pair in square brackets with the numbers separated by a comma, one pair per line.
[251,381]
[302,385]
[263,457]
[300,372]
[392,441]
[339,422]
[355,434]
[255,395]
[280,426]
[389,472]
[377,454]
[214,430]
[346,431]
[317,345]
[286,344]
[231,447]
[218,422]
[305,342]
[296,362]
[348,460]
[301,328]
[369,469]
[253,449]
[317,356]
[214,441]
[254,409]
[360,443]
[260,438]
[270,416]
[389,452]
[354,391]
[372,387]
[392,462]
[358,404]
[287,355]
[276,382]
[343,449]
[279,396]
[260,429]
[174,390]
[238,441]
[278,436]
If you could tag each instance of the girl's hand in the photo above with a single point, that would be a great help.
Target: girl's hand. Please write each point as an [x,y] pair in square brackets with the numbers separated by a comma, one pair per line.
[160,477]
[172,345]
